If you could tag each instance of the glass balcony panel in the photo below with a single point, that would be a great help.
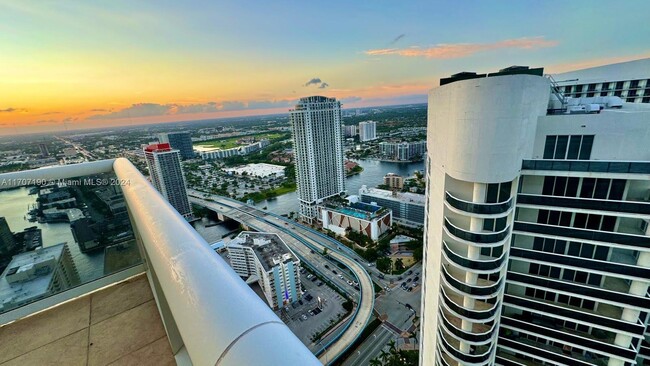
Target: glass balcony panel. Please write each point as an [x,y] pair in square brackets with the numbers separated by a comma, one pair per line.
[58,234]
[485,237]
[479,208]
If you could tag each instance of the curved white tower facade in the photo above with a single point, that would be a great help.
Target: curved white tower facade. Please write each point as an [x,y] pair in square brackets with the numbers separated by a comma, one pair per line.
[479,131]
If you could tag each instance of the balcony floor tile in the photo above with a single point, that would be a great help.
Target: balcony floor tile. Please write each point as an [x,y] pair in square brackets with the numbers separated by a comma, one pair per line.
[43,328]
[70,350]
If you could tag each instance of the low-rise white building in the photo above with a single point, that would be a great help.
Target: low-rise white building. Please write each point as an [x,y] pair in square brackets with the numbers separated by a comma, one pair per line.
[261,170]
[207,153]
[265,258]
[369,220]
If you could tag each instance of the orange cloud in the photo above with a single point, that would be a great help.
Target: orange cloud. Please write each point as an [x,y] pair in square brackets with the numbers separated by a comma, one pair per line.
[585,64]
[459,50]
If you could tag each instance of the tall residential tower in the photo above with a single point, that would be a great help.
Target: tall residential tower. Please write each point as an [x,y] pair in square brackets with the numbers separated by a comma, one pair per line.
[167,176]
[181,141]
[316,127]
[537,248]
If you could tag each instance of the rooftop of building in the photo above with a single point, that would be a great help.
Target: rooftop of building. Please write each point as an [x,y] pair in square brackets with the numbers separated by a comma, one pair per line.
[28,275]
[630,70]
[164,147]
[414,198]
[358,210]
[512,70]
[269,248]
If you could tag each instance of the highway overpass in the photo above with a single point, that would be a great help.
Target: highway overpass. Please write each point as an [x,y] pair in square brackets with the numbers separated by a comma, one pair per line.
[308,244]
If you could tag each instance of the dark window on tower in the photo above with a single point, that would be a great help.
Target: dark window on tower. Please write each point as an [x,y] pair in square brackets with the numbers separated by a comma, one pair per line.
[585,149]
[492,193]
[619,85]
[560,185]
[594,279]
[568,275]
[634,84]
[593,223]
[572,187]
[542,217]
[574,249]
[609,222]
[580,220]
[605,87]
[601,253]
[587,190]
[617,189]
[549,147]
[588,304]
[560,149]
[504,191]
[587,251]
[567,89]
[574,147]
[547,188]
[565,219]
[602,188]
[560,246]
[538,244]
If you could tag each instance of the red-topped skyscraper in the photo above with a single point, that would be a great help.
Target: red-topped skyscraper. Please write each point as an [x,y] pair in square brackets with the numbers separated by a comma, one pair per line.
[167,176]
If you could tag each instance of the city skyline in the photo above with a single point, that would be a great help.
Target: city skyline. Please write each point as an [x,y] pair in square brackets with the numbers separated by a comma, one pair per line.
[74,66]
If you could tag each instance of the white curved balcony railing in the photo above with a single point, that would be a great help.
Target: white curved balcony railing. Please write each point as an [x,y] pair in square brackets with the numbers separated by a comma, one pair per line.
[210,314]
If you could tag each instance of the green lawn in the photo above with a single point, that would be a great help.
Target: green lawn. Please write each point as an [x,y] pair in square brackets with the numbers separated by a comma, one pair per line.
[230,142]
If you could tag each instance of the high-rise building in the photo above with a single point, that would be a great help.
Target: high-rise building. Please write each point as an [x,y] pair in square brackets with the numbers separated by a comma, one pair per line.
[349,131]
[181,141]
[393,180]
[44,151]
[167,176]
[367,131]
[628,80]
[537,247]
[316,128]
[403,151]
[7,242]
[267,258]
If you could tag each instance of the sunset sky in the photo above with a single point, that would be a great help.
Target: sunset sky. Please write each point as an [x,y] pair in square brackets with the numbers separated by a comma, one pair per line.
[76,64]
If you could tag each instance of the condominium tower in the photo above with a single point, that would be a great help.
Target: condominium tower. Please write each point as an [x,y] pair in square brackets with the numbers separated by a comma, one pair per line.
[181,141]
[316,128]
[367,131]
[537,248]
[167,176]
[266,259]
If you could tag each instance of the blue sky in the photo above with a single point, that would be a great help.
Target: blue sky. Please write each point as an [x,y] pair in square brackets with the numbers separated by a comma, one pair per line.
[95,62]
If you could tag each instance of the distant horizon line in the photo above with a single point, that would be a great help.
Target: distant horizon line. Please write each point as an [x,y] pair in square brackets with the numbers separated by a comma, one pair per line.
[185,121]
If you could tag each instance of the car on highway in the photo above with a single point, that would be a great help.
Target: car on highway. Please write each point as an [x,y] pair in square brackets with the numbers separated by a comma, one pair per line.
[326,266]
[381,276]
[319,284]
[408,280]
[333,271]
[410,272]
[416,278]
[387,288]
[350,283]
[340,276]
